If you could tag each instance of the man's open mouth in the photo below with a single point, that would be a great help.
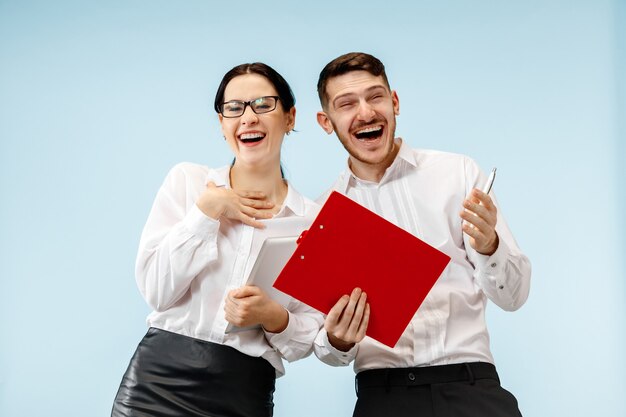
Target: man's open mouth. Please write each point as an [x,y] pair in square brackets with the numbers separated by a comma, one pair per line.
[369,133]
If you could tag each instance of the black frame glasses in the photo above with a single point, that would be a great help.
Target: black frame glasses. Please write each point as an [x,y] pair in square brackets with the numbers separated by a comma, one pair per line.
[258,105]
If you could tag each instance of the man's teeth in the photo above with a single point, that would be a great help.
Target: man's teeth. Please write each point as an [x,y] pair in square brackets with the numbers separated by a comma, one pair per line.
[369,133]
[369,129]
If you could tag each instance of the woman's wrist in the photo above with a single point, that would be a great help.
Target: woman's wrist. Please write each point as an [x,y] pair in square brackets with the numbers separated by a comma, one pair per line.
[278,319]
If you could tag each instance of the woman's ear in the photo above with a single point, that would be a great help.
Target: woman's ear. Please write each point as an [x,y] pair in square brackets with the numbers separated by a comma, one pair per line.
[221,120]
[291,119]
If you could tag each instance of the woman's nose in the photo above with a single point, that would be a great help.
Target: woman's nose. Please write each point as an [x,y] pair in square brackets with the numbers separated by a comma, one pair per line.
[249,116]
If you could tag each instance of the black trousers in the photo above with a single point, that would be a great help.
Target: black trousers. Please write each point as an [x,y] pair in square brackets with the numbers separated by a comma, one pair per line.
[459,390]
[174,375]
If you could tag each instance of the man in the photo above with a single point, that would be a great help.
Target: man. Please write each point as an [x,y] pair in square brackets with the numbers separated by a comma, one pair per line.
[442,364]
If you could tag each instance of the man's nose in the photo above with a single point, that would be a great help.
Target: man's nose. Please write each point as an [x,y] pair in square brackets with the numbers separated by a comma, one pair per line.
[366,111]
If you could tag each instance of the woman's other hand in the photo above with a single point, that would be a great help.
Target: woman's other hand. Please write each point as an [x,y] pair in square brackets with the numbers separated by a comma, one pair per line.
[250,305]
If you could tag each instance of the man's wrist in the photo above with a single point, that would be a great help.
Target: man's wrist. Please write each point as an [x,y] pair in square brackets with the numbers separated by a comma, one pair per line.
[493,247]
[339,344]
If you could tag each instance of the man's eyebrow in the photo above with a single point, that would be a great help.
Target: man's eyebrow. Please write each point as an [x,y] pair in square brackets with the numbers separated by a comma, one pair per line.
[341,96]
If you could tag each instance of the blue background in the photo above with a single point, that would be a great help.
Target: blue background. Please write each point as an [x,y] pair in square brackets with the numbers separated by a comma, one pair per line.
[99,99]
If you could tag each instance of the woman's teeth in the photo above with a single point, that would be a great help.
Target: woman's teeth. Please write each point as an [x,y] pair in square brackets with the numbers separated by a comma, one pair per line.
[251,137]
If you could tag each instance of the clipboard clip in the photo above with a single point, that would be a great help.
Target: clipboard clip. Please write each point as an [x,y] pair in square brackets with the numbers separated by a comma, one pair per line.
[302,235]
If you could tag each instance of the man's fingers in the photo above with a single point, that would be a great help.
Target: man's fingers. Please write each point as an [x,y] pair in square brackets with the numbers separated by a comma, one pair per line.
[478,216]
[349,311]
[364,322]
[475,208]
[479,238]
[340,317]
[355,322]
[485,199]
[335,313]
[475,222]
[481,204]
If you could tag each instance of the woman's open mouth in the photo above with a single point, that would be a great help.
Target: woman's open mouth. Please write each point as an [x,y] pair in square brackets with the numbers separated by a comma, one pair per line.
[253,137]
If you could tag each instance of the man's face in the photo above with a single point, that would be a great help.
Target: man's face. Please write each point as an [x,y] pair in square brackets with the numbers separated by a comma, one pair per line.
[362,112]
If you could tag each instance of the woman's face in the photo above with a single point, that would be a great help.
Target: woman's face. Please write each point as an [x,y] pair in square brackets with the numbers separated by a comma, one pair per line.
[255,139]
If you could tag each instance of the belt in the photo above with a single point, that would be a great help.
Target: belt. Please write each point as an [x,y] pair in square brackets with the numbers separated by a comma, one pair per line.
[400,377]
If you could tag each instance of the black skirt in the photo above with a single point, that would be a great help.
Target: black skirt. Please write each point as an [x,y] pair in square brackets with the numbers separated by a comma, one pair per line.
[174,375]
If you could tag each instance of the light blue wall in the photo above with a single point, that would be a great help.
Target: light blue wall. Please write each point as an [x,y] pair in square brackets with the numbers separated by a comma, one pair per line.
[99,99]
[620,36]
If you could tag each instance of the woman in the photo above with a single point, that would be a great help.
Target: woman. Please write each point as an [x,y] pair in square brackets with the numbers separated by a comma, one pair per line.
[200,241]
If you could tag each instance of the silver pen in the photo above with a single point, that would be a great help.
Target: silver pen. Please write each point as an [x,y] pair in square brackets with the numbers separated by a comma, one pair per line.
[490,180]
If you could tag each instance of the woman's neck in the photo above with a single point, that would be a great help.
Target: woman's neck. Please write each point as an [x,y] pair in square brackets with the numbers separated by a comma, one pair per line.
[269,181]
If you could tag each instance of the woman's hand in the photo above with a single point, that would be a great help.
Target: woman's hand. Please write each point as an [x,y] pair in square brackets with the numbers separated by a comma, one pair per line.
[250,305]
[245,206]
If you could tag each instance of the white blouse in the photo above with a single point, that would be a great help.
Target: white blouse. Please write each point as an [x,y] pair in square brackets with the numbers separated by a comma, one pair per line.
[188,262]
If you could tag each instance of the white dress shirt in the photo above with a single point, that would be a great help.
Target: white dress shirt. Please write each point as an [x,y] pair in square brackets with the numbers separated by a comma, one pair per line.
[423,192]
[188,262]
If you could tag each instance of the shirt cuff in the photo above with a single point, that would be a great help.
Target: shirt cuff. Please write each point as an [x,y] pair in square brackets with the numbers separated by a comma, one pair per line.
[284,337]
[199,224]
[345,357]
[492,267]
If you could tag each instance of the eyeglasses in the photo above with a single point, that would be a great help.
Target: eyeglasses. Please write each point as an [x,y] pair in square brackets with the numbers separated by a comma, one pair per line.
[236,108]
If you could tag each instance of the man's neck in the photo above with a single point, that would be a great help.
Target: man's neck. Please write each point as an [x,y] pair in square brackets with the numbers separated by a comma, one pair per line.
[373,172]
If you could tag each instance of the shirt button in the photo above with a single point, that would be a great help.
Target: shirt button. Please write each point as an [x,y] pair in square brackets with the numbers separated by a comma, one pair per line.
[493,265]
[501,287]
[411,376]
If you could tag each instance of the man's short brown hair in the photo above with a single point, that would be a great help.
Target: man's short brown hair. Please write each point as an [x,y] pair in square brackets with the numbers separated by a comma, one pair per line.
[353,61]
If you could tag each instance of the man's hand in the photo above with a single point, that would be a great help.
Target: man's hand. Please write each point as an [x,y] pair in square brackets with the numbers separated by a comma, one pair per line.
[480,217]
[245,206]
[250,305]
[347,321]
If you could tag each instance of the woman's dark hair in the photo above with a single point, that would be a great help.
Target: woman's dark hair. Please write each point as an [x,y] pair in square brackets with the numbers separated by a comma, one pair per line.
[287,98]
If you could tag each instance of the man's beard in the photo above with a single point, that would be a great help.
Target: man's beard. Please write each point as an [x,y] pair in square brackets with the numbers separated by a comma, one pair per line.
[347,142]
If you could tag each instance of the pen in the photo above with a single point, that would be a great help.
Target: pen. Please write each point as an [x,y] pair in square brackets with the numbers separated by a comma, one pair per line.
[490,180]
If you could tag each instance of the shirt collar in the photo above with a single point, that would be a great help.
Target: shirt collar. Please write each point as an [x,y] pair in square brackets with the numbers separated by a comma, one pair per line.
[293,201]
[405,154]
[220,176]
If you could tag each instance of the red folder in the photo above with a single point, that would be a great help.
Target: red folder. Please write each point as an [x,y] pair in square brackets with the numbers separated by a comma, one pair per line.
[349,246]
